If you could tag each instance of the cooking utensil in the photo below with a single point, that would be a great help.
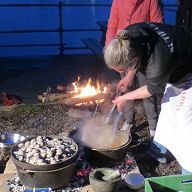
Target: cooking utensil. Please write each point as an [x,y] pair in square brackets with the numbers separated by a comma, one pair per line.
[8,140]
[50,175]
[47,167]
[111,155]
[116,124]
[110,114]
[47,97]
[102,157]
[54,178]
[95,112]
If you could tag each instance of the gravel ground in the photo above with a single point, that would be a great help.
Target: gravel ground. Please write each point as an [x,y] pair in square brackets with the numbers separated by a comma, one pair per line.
[34,119]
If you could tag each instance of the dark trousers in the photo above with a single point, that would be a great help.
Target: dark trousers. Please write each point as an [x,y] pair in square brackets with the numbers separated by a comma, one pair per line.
[150,104]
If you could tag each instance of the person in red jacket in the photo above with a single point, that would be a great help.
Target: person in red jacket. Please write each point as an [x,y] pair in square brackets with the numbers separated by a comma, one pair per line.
[124,13]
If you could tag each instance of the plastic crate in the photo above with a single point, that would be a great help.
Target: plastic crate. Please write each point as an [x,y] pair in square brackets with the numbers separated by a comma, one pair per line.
[176,183]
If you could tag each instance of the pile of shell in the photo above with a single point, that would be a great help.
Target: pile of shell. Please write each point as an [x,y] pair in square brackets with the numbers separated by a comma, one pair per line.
[43,151]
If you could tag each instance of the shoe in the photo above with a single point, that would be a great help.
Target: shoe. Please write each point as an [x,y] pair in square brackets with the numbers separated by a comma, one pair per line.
[158,152]
[159,157]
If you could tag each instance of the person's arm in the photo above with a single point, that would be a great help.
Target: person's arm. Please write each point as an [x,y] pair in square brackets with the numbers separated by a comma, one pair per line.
[156,12]
[112,22]
[139,93]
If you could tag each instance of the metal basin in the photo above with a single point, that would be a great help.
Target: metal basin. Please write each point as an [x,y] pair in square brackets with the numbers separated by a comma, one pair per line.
[8,141]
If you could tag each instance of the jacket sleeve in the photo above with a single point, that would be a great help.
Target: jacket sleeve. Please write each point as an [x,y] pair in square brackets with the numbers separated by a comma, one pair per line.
[112,22]
[156,12]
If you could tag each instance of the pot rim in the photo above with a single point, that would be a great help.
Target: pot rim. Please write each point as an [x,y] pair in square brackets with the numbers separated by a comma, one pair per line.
[111,149]
[27,166]
[73,131]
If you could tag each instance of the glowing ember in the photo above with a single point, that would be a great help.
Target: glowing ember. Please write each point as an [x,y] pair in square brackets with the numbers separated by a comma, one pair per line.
[90,102]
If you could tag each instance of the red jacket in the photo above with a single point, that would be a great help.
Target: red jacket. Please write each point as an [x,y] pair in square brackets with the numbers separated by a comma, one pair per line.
[127,12]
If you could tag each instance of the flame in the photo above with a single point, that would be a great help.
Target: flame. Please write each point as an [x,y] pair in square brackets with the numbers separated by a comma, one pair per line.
[88,90]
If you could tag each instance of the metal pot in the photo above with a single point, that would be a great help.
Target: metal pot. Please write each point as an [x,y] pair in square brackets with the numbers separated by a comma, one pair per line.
[50,175]
[48,167]
[104,157]
[54,179]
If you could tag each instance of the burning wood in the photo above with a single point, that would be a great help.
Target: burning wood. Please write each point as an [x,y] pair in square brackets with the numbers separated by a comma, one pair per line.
[78,100]
[55,96]
[61,88]
[85,94]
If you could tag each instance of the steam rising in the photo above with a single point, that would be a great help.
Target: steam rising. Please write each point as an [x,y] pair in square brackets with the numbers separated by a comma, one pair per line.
[98,135]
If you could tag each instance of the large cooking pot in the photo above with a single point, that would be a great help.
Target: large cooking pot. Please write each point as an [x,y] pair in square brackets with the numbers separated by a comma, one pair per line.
[103,157]
[51,175]
[47,167]
[56,178]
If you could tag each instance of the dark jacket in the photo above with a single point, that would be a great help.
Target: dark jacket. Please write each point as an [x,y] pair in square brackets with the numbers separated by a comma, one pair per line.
[184,14]
[166,53]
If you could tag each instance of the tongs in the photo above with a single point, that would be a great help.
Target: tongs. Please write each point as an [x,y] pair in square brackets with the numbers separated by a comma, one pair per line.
[109,116]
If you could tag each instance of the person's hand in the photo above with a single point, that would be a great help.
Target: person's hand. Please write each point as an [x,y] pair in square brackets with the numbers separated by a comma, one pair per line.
[120,101]
[127,81]
[124,83]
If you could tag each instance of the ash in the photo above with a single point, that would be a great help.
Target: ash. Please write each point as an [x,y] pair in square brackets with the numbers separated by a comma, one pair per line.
[15,185]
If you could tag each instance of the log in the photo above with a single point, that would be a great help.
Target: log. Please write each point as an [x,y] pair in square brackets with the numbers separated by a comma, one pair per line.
[73,100]
[61,88]
[55,96]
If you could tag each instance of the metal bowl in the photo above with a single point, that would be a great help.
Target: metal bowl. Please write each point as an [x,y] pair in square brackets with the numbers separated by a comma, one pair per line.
[8,140]
[134,181]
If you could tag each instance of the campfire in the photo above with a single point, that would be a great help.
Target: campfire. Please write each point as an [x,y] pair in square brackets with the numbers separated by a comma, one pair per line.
[79,94]
[87,94]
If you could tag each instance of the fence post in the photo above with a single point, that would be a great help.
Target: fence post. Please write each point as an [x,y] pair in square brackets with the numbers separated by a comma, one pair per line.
[60,28]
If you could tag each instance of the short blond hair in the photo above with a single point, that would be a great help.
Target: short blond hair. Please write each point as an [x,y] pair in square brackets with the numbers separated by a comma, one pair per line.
[119,51]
